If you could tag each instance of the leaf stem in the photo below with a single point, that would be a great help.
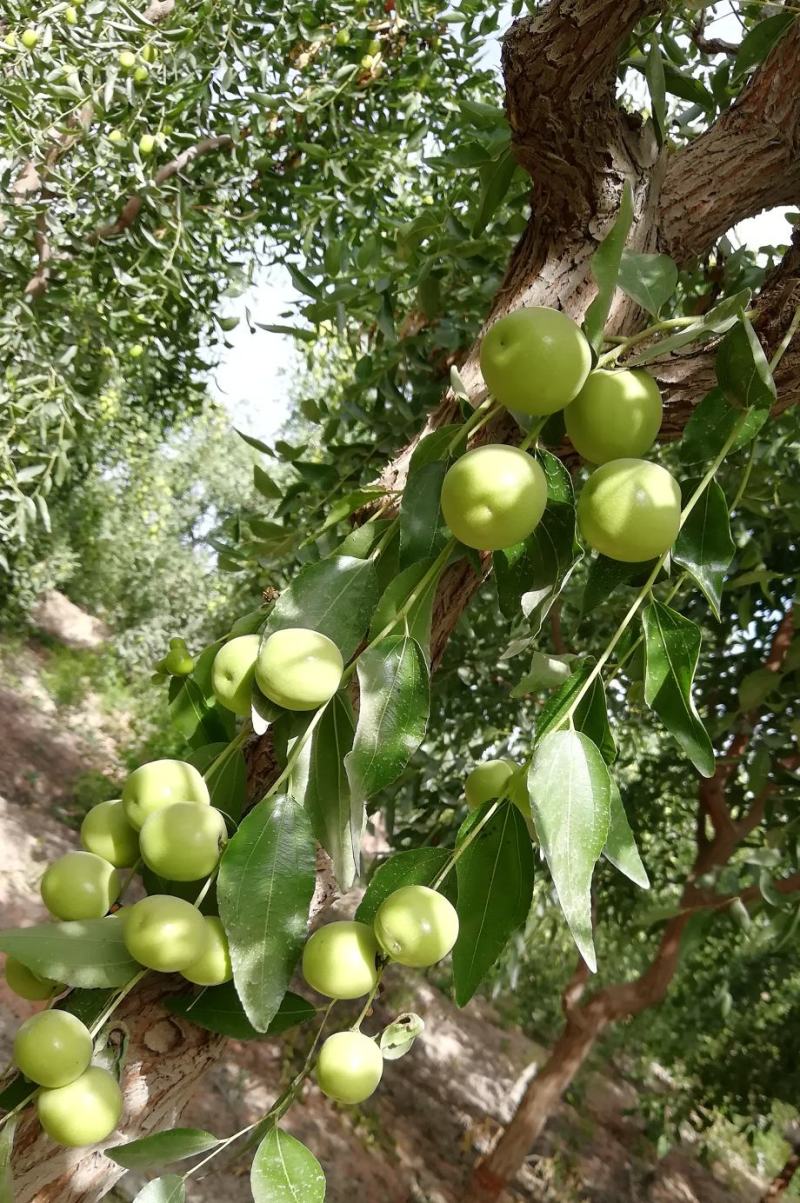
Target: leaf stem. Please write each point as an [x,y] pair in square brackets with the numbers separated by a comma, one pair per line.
[624,344]
[123,993]
[461,848]
[356,1024]
[227,751]
[787,338]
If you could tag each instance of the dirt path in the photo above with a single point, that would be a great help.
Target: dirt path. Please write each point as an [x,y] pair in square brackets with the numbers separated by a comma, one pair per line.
[436,1109]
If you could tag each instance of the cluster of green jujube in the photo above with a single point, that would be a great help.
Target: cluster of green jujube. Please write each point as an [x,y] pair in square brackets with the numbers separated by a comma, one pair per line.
[297,668]
[414,926]
[536,362]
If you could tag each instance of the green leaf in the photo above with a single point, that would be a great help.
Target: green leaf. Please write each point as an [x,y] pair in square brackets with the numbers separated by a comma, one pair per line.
[265,485]
[419,618]
[742,370]
[531,575]
[759,41]
[162,1148]
[672,647]
[590,715]
[620,847]
[335,596]
[319,781]
[219,1009]
[265,885]
[197,722]
[716,321]
[570,792]
[420,529]
[169,1189]
[84,952]
[756,687]
[284,1171]
[254,442]
[6,1149]
[496,180]
[605,269]
[650,280]
[704,546]
[415,867]
[398,1037]
[495,887]
[348,504]
[710,425]
[604,577]
[227,785]
[688,87]
[393,714]
[656,84]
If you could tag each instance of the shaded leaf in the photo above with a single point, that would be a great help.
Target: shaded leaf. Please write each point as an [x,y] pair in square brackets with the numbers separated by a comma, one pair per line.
[620,848]
[604,577]
[319,781]
[570,792]
[672,647]
[758,41]
[420,531]
[495,887]
[265,885]
[169,1189]
[419,618]
[83,952]
[219,1009]
[704,546]
[716,321]
[495,180]
[227,784]
[335,596]
[656,83]
[742,370]
[162,1148]
[649,280]
[191,714]
[415,867]
[710,425]
[285,1171]
[605,269]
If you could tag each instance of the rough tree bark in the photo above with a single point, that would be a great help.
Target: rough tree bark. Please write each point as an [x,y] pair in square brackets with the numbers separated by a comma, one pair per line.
[580,148]
[586,1021]
[783,1179]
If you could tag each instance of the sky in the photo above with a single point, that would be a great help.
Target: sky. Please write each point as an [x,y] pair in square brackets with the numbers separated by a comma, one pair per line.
[252,378]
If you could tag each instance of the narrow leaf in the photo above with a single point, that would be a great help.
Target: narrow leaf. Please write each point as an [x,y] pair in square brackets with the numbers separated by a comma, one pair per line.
[672,647]
[620,847]
[419,618]
[496,180]
[742,370]
[604,577]
[420,529]
[656,83]
[227,784]
[84,952]
[495,887]
[716,321]
[335,596]
[219,1009]
[570,792]
[704,546]
[650,280]
[605,269]
[285,1171]
[265,885]
[759,41]
[162,1148]
[415,867]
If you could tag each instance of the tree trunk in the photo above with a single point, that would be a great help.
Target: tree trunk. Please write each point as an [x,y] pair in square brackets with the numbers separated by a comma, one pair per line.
[782,1180]
[490,1176]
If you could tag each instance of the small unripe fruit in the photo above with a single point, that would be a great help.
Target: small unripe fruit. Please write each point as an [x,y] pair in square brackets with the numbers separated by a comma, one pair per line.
[367,62]
[107,832]
[614,416]
[630,510]
[127,60]
[535,360]
[493,497]
[136,351]
[159,783]
[147,144]
[339,959]
[233,673]
[71,15]
[116,136]
[178,661]
[416,926]
[79,885]
[52,1048]
[374,47]
[141,74]
[84,1112]
[27,984]
[299,669]
[149,54]
[183,841]
[164,933]
[349,1067]
[342,37]
[213,966]
[488,780]
[29,38]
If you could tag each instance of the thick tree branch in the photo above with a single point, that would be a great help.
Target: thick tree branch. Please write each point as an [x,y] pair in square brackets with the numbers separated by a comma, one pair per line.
[747,161]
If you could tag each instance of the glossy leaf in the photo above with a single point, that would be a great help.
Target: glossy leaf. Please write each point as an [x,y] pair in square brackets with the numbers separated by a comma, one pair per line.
[191,714]
[672,647]
[345,506]
[742,370]
[169,1189]
[319,781]
[84,952]
[495,181]
[710,425]
[227,784]
[570,792]
[590,715]
[605,269]
[620,848]
[531,575]
[265,885]
[704,546]
[219,1009]
[265,485]
[415,867]
[604,577]
[495,887]
[335,596]
[688,87]
[716,321]
[419,617]
[285,1171]
[392,717]
[162,1148]
[656,83]
[420,528]
[759,41]
[650,280]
